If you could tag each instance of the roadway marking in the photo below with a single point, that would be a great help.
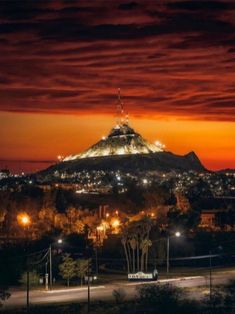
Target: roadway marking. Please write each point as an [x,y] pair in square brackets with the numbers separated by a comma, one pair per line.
[181,278]
[163,280]
[74,289]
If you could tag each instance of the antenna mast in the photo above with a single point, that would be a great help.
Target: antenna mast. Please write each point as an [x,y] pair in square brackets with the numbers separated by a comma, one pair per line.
[120,111]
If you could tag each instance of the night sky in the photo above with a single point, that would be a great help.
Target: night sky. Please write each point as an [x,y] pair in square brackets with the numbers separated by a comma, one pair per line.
[61,63]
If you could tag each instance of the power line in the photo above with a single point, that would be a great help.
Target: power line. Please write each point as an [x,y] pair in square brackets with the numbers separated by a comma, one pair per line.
[23,256]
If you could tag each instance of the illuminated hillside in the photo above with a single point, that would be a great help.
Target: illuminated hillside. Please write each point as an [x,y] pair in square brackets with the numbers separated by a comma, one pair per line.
[122,140]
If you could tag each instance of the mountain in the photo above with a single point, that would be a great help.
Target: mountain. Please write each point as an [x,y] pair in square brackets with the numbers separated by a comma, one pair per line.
[122,140]
[227,170]
[160,161]
[125,150]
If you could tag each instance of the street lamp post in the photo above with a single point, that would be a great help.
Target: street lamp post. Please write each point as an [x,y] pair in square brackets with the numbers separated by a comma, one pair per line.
[177,234]
[210,275]
[96,260]
[167,254]
[211,255]
[88,289]
[89,278]
[25,221]
[46,277]
[27,288]
[59,241]
[50,261]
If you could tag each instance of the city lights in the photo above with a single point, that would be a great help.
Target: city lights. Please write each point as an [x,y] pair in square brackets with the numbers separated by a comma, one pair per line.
[159,145]
[97,214]
[60,158]
[115,223]
[100,228]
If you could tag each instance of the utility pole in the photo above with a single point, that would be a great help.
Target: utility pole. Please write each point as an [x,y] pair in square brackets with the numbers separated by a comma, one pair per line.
[168,255]
[88,289]
[96,260]
[46,277]
[210,276]
[27,287]
[50,261]
[26,223]
[177,234]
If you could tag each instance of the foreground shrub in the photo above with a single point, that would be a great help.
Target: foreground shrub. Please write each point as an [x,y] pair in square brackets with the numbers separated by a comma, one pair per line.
[4,295]
[119,295]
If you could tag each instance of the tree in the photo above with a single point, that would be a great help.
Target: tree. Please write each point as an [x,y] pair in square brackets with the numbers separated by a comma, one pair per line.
[133,245]
[124,243]
[144,245]
[47,218]
[3,213]
[229,300]
[33,278]
[78,226]
[136,243]
[72,215]
[183,220]
[214,301]
[4,295]
[61,221]
[157,195]
[68,268]
[82,268]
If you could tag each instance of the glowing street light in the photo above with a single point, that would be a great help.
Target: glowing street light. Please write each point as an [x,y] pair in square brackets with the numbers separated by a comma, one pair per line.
[50,255]
[23,219]
[176,234]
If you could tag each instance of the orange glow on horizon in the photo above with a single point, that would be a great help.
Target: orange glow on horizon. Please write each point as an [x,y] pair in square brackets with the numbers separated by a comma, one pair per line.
[42,137]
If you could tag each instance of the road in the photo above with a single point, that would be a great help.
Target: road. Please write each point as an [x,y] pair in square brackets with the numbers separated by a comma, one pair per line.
[104,292]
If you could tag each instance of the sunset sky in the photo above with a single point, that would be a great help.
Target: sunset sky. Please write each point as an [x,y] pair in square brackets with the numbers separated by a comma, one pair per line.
[62,62]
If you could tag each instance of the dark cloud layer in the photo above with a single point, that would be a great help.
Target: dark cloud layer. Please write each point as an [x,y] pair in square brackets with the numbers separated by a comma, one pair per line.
[168,57]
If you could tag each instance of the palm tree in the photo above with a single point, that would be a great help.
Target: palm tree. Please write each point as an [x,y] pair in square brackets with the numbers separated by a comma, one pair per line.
[124,243]
[143,246]
[145,243]
[133,245]
[135,239]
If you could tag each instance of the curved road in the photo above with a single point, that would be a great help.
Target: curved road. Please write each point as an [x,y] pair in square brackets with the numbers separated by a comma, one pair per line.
[104,292]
